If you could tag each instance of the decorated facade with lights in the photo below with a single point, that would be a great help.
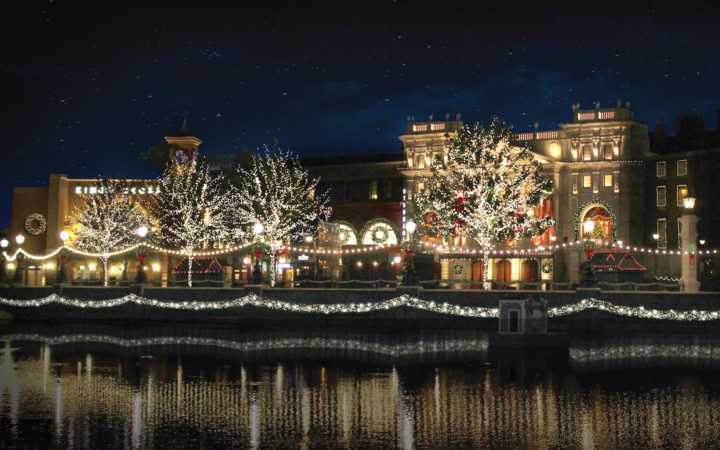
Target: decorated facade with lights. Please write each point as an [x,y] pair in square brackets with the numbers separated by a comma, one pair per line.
[597,162]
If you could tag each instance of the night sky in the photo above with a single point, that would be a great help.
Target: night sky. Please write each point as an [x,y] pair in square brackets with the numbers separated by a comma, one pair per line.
[87,87]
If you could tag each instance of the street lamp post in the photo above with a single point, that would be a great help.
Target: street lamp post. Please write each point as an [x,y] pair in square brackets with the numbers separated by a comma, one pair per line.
[19,240]
[656,237]
[60,276]
[142,232]
[688,232]
[3,267]
[409,276]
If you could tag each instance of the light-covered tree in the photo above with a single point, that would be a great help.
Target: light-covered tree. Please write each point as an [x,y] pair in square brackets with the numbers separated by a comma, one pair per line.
[106,221]
[484,188]
[274,190]
[191,209]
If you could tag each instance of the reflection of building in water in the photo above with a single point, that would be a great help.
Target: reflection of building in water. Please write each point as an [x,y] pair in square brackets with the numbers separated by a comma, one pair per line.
[103,401]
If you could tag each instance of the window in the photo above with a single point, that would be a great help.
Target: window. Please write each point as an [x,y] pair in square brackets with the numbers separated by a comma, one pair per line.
[679,236]
[660,170]
[682,168]
[682,192]
[616,179]
[660,196]
[587,153]
[373,190]
[607,180]
[608,152]
[574,183]
[662,233]
[587,181]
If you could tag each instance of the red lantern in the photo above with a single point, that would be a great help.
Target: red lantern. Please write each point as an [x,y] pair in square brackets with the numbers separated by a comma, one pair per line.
[141,258]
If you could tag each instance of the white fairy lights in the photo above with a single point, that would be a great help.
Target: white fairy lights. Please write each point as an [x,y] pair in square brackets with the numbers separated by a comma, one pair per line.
[404,300]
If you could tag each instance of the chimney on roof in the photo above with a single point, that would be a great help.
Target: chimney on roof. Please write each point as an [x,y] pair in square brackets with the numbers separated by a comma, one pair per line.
[691,131]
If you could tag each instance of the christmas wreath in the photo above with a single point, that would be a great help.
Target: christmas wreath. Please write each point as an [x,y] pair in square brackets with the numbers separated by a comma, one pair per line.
[35,224]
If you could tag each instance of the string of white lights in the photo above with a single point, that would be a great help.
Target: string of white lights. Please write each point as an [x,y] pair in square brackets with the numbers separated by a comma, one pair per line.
[357,308]
[275,343]
[440,248]
[256,301]
[639,312]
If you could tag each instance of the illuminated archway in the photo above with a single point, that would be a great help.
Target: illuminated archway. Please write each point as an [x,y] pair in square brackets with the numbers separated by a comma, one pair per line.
[346,233]
[379,232]
[596,222]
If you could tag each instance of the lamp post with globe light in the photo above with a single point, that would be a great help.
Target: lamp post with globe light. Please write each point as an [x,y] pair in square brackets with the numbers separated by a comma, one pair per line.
[142,232]
[4,243]
[60,276]
[656,237]
[409,276]
[257,229]
[688,238]
[19,240]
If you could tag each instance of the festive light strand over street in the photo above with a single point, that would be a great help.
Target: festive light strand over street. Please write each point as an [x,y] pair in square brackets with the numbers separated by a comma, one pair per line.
[254,300]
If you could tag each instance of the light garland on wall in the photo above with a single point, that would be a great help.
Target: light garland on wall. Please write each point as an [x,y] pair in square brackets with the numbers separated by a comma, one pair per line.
[258,302]
[540,250]
[392,350]
[405,300]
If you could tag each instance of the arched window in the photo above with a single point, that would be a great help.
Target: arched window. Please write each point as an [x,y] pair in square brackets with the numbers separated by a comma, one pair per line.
[379,232]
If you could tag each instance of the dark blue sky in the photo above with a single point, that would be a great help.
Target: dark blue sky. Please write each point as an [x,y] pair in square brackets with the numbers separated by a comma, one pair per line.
[87,87]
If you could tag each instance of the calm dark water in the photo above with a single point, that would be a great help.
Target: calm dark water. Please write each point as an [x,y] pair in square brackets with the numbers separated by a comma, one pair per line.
[79,387]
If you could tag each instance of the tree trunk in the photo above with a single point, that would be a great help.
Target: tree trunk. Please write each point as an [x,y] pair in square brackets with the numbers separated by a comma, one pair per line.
[190,261]
[104,261]
[486,270]
[271,269]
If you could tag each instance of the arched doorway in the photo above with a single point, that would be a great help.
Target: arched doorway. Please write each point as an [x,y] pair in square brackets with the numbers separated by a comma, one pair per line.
[529,271]
[597,223]
[477,270]
[503,270]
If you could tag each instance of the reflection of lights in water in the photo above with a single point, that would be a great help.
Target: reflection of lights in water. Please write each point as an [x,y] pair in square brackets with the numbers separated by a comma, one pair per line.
[410,406]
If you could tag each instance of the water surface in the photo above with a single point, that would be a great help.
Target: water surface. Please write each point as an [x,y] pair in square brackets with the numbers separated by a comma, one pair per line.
[84,387]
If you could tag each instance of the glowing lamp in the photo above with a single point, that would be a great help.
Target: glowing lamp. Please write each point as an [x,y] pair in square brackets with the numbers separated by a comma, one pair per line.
[258,228]
[375,263]
[92,266]
[701,241]
[142,231]
[655,236]
[20,239]
[553,238]
[410,226]
[555,150]
[4,243]
[64,235]
[689,202]
[359,264]
[246,260]
[588,226]
[396,259]
[308,238]
[155,267]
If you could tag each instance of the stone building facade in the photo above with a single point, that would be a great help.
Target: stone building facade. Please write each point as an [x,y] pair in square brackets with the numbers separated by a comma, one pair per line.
[607,182]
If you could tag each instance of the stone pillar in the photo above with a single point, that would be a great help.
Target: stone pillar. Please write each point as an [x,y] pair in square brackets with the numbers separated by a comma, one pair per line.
[689,245]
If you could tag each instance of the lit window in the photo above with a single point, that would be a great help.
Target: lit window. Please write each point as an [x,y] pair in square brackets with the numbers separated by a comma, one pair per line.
[662,233]
[608,152]
[682,168]
[660,196]
[660,170]
[373,190]
[682,192]
[587,181]
[607,180]
[574,183]
[587,153]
